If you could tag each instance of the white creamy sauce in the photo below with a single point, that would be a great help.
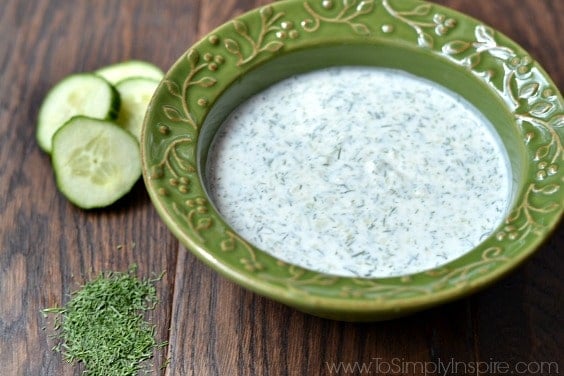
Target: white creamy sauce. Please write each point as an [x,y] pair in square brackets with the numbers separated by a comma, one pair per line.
[359,172]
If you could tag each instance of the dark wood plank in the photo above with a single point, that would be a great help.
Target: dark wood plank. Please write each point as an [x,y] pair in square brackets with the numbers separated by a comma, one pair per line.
[48,247]
[213,13]
[525,311]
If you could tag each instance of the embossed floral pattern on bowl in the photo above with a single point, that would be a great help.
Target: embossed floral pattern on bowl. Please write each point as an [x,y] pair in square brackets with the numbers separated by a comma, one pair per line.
[268,44]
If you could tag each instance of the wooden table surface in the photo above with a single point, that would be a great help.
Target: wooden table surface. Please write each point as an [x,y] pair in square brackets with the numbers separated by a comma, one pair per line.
[48,247]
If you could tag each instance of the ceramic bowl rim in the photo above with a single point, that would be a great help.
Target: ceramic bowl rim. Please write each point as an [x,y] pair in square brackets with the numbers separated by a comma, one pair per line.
[365,306]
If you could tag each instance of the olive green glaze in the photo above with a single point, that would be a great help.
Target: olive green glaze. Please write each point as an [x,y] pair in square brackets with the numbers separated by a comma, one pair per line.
[268,44]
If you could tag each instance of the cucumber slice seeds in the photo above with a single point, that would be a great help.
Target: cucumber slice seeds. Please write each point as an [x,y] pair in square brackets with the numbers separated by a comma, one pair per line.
[135,94]
[96,162]
[127,69]
[79,94]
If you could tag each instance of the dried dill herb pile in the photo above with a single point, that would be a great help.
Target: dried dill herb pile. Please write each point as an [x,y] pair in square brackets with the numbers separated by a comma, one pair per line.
[103,326]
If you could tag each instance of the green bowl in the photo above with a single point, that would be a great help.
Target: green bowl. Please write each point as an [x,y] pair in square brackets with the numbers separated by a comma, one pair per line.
[266,45]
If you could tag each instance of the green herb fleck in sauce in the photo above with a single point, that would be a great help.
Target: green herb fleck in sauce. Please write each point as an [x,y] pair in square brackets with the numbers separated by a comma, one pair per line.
[360,172]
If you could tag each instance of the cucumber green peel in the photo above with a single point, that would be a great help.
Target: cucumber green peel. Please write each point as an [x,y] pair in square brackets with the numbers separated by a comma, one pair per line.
[96,162]
[135,94]
[133,68]
[79,94]
[93,138]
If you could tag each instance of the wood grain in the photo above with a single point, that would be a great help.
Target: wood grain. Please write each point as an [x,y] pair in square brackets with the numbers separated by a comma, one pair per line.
[48,248]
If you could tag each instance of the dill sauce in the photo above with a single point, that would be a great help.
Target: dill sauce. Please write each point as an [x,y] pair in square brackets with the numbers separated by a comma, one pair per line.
[359,172]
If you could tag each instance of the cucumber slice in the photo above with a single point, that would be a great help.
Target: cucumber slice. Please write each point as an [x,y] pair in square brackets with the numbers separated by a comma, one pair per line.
[135,94]
[79,94]
[127,69]
[96,162]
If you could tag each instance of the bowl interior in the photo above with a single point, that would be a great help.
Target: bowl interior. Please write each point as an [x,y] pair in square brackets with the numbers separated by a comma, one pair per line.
[411,60]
